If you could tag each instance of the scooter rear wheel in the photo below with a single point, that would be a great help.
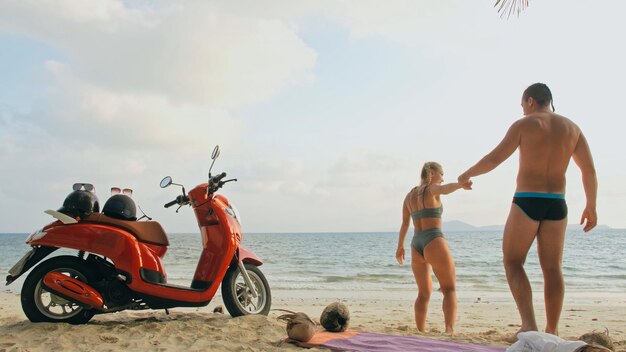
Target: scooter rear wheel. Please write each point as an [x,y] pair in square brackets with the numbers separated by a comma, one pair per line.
[40,305]
[238,297]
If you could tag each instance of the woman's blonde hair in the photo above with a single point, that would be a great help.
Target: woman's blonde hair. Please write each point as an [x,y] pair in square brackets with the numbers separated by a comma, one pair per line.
[428,169]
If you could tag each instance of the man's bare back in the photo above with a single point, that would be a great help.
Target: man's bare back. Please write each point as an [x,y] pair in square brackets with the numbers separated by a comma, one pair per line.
[546,144]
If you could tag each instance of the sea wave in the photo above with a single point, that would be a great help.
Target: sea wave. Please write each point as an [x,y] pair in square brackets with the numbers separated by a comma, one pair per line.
[366,261]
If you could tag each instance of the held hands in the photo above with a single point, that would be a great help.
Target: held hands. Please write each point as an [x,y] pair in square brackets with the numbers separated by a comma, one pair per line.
[467,185]
[400,255]
[591,217]
[463,178]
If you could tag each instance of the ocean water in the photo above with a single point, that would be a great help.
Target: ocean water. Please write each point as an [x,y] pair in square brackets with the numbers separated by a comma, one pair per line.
[365,262]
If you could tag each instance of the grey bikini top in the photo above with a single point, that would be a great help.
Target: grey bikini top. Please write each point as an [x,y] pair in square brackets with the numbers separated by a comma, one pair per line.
[427,212]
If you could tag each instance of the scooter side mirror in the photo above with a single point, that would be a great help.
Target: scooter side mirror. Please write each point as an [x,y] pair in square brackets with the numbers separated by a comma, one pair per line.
[214,155]
[216,152]
[166,181]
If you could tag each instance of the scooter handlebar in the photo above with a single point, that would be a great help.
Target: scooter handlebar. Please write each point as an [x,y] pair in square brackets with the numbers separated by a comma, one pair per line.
[167,205]
[218,178]
[180,200]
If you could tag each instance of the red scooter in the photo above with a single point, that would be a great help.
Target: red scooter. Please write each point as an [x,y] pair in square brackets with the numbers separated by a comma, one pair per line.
[118,265]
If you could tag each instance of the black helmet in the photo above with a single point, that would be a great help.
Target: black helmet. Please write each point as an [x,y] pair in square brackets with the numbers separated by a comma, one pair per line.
[80,204]
[120,206]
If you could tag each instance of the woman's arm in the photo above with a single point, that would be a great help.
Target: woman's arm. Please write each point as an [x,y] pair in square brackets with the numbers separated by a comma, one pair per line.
[448,188]
[404,228]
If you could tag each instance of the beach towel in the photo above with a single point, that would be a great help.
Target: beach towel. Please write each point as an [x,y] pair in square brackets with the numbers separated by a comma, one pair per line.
[360,341]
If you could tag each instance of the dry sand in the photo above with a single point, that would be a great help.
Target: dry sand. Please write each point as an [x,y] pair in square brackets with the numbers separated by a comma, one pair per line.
[483,320]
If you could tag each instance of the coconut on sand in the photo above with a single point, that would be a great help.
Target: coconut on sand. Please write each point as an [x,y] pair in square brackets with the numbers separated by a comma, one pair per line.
[598,341]
[299,326]
[335,317]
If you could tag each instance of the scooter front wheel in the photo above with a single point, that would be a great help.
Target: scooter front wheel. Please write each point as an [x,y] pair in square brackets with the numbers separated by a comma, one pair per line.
[239,298]
[40,305]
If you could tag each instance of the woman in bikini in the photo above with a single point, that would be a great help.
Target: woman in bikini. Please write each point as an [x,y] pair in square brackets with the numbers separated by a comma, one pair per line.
[429,248]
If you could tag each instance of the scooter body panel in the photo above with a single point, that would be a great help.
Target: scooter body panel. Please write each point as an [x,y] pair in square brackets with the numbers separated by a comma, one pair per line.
[122,248]
[247,256]
[221,234]
[127,254]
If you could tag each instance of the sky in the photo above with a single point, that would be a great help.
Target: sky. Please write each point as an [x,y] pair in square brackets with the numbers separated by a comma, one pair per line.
[324,110]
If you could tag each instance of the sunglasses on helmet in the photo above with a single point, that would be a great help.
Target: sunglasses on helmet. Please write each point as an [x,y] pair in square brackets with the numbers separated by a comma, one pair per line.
[86,186]
[125,191]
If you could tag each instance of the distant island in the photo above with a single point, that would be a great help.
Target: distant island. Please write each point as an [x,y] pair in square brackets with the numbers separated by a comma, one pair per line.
[456,225]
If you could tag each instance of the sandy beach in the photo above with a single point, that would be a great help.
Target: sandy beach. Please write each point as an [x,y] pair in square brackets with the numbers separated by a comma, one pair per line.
[482,320]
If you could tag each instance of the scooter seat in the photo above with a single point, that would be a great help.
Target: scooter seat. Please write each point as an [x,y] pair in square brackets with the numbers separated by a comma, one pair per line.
[145,231]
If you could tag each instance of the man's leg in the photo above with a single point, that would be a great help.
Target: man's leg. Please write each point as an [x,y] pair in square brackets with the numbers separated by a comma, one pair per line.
[519,234]
[550,240]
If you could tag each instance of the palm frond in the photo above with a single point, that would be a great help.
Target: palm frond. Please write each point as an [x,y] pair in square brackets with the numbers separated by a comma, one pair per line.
[510,7]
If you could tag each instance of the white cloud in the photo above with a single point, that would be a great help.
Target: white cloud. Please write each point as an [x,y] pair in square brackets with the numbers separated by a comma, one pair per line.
[54,17]
[155,77]
[138,90]
[187,52]
[356,192]
[363,169]
[84,114]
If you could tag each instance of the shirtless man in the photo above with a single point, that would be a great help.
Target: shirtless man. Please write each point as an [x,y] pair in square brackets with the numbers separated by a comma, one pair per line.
[546,142]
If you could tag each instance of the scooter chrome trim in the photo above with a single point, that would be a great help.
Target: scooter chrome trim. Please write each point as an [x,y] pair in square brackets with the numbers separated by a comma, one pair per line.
[29,260]
[246,278]
[73,289]
[18,268]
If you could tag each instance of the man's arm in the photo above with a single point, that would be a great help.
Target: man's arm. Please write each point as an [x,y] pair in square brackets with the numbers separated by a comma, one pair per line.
[500,153]
[582,157]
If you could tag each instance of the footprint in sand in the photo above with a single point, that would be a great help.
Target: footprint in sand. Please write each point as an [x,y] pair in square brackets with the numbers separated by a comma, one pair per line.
[109,339]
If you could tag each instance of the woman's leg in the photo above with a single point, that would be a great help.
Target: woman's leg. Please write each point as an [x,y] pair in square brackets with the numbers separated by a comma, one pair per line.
[440,258]
[421,271]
